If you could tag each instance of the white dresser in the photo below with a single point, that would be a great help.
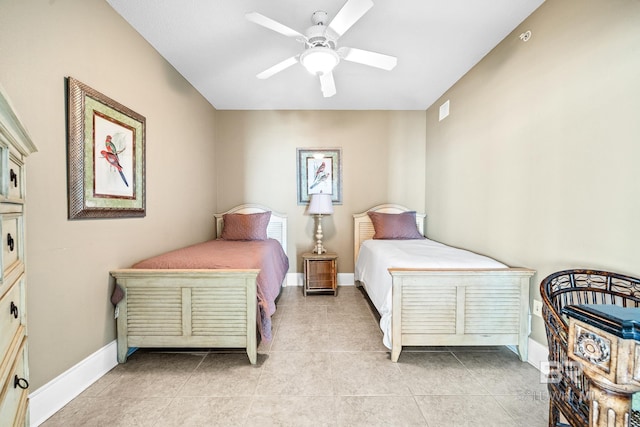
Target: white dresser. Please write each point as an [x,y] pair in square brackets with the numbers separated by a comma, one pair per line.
[15,146]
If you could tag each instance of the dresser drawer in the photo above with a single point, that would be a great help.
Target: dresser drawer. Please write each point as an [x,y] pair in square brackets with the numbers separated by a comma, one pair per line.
[11,176]
[4,169]
[11,241]
[15,184]
[15,391]
[11,315]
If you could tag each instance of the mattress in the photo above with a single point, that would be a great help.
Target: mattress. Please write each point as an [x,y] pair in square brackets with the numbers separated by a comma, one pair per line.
[266,255]
[377,256]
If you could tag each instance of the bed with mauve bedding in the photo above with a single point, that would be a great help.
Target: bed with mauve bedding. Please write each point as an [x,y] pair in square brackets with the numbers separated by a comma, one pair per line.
[264,255]
[217,294]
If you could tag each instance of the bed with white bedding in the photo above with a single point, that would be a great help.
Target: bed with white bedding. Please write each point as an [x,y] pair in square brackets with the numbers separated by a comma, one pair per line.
[428,293]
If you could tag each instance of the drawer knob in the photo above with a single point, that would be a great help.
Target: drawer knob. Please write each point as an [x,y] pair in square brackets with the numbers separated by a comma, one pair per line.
[10,242]
[13,177]
[14,310]
[20,382]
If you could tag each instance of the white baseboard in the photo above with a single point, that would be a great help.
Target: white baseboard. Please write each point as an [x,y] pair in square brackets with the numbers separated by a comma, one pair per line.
[538,354]
[345,279]
[51,397]
[293,279]
[296,279]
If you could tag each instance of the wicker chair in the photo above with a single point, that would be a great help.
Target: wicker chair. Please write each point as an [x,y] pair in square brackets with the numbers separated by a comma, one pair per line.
[568,389]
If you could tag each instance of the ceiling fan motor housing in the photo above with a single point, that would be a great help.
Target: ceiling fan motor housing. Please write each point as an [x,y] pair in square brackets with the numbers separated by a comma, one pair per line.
[319,35]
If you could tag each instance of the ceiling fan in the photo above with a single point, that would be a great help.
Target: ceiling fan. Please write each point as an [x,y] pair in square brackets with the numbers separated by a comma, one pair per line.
[321,53]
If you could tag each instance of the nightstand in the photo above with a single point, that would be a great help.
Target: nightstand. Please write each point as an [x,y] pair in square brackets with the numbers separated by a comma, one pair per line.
[320,273]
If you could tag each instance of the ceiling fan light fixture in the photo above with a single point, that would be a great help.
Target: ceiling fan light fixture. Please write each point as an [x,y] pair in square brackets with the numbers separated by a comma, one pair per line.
[319,60]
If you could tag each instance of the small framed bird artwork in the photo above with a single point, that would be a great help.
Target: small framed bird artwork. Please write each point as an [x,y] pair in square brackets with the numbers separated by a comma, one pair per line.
[319,171]
[106,156]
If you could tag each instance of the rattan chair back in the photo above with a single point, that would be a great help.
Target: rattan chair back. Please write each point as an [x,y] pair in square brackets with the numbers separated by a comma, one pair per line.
[568,388]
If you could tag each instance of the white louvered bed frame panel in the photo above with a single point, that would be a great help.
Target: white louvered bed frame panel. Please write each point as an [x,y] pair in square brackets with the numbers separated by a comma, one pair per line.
[491,307]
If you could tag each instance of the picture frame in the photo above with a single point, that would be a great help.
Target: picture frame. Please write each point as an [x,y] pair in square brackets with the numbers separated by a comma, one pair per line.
[319,170]
[105,156]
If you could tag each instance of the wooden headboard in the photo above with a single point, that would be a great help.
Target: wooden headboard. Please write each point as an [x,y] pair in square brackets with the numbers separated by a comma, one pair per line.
[277,228]
[363,228]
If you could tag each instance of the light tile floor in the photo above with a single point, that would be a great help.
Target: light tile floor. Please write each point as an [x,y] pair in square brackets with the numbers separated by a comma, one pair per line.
[326,366]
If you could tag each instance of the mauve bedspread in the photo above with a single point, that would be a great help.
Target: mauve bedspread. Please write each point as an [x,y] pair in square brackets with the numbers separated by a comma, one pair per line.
[266,255]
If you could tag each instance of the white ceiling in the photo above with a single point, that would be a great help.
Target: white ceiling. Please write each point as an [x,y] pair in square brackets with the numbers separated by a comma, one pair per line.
[219,52]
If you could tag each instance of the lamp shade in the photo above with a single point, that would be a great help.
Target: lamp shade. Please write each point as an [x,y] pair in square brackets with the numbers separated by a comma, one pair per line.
[320,204]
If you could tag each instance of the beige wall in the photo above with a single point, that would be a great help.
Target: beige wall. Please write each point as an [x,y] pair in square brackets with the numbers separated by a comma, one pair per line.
[537,165]
[382,156]
[41,42]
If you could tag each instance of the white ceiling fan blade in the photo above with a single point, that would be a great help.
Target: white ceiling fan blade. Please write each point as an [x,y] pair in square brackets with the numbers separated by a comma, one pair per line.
[367,57]
[349,15]
[278,67]
[269,23]
[327,84]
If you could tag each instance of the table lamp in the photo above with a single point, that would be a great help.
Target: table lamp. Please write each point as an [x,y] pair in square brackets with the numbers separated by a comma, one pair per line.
[319,205]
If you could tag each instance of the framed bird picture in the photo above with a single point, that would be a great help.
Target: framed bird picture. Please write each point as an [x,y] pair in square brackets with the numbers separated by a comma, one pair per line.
[106,156]
[319,171]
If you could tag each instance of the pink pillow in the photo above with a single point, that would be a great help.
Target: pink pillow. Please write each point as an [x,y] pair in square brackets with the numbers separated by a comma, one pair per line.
[395,226]
[245,226]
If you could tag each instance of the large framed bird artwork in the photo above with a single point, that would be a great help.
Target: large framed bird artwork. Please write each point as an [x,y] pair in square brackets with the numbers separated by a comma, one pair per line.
[319,171]
[106,155]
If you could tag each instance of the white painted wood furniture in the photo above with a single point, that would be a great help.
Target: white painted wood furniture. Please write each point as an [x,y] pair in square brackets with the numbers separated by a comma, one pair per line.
[15,146]
[193,308]
[453,307]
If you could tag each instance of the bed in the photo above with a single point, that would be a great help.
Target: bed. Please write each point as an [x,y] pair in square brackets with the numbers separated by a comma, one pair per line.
[430,294]
[215,294]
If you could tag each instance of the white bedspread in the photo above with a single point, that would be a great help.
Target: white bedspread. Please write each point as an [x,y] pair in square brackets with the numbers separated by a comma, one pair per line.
[376,256]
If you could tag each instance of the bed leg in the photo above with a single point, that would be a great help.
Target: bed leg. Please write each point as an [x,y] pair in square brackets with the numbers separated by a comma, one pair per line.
[122,353]
[522,352]
[523,348]
[122,331]
[395,353]
[253,356]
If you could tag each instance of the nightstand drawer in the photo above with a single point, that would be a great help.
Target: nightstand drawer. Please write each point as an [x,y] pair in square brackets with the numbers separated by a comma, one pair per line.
[320,272]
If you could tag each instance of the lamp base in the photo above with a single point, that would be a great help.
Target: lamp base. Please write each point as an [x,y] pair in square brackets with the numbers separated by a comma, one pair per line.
[319,249]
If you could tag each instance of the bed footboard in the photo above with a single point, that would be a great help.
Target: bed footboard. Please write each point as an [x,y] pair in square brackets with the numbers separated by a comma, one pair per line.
[441,307]
[187,308]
